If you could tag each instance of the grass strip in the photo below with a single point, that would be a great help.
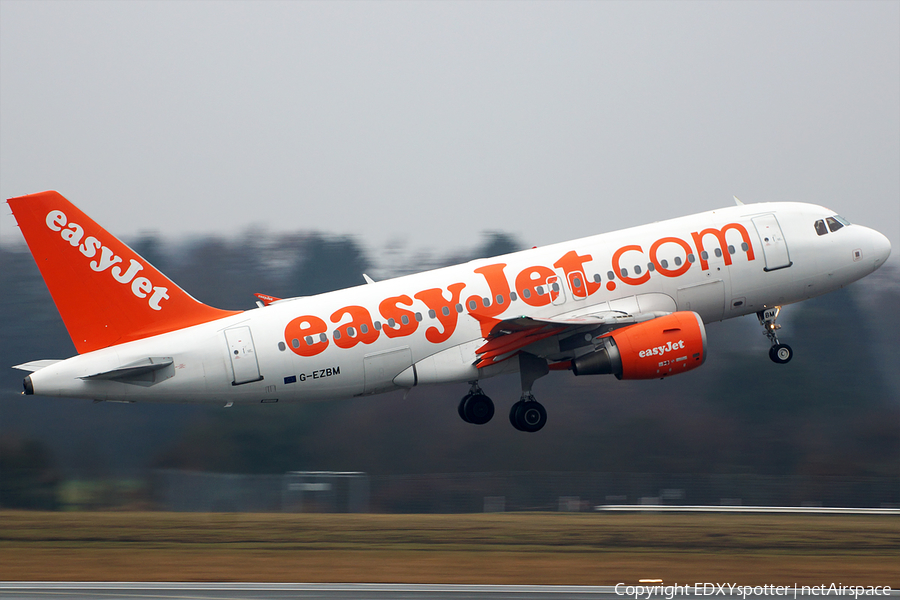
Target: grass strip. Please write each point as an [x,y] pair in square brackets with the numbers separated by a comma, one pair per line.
[536,548]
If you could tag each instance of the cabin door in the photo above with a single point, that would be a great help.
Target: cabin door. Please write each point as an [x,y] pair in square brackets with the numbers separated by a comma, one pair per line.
[243,355]
[774,246]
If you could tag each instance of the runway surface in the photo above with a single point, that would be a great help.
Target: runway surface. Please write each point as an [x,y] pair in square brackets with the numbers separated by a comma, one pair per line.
[365,591]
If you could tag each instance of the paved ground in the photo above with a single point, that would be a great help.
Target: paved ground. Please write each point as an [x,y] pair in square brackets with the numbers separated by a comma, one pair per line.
[275,591]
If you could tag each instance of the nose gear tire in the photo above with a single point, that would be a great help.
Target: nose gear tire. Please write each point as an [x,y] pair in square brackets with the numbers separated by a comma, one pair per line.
[781,353]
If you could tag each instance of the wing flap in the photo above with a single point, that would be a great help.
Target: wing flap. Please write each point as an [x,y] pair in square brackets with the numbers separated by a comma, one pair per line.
[502,347]
[506,338]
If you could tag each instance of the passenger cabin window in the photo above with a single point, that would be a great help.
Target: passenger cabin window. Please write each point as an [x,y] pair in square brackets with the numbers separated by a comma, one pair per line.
[833,224]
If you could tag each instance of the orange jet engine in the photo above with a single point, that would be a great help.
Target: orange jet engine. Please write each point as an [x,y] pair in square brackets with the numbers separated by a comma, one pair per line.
[653,349]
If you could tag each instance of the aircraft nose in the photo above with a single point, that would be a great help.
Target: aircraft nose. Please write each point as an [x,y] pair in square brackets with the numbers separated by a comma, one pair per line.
[881,248]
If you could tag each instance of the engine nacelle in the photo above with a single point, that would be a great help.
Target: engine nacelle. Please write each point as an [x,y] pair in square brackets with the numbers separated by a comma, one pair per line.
[653,349]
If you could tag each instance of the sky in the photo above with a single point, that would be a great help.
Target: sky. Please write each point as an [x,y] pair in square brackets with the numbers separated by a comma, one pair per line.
[424,125]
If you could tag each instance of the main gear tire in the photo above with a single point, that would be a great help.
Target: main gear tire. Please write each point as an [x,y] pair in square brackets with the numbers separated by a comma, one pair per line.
[462,406]
[478,409]
[512,414]
[530,416]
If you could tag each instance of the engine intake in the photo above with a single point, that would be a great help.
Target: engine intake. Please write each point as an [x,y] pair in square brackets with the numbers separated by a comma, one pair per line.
[664,346]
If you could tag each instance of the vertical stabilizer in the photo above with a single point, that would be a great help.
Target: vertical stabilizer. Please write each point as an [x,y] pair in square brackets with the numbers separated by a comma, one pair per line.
[105,292]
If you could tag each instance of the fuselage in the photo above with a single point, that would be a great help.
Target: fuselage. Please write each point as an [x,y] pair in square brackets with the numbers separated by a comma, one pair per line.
[366,339]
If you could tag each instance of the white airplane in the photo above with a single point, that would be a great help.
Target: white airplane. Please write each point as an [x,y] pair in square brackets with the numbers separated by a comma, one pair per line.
[631,303]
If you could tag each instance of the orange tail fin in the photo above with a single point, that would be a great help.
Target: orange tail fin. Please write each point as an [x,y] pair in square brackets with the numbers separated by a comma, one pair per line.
[105,292]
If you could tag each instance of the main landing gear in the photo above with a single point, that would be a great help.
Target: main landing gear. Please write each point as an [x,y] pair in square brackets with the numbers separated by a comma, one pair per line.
[525,415]
[528,414]
[779,353]
[476,407]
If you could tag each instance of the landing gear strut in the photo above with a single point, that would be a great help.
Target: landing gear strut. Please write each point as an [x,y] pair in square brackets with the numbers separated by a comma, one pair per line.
[476,407]
[528,414]
[525,415]
[779,353]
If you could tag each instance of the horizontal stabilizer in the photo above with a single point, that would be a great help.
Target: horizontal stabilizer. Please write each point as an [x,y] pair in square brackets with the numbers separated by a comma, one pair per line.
[143,370]
[37,365]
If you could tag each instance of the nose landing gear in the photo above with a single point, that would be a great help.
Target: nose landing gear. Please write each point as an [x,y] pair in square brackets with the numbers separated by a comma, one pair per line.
[779,353]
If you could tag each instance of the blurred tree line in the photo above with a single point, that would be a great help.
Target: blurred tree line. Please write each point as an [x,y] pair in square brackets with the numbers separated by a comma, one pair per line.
[834,410]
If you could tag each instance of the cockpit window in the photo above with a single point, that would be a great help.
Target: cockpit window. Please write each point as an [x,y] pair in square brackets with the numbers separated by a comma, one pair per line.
[833,224]
[820,227]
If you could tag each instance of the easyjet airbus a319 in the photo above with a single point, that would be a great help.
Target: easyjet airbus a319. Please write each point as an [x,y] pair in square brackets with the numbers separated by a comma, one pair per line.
[632,303]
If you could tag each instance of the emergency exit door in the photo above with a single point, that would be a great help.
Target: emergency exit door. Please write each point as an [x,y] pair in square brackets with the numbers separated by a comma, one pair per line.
[774,246]
[243,355]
